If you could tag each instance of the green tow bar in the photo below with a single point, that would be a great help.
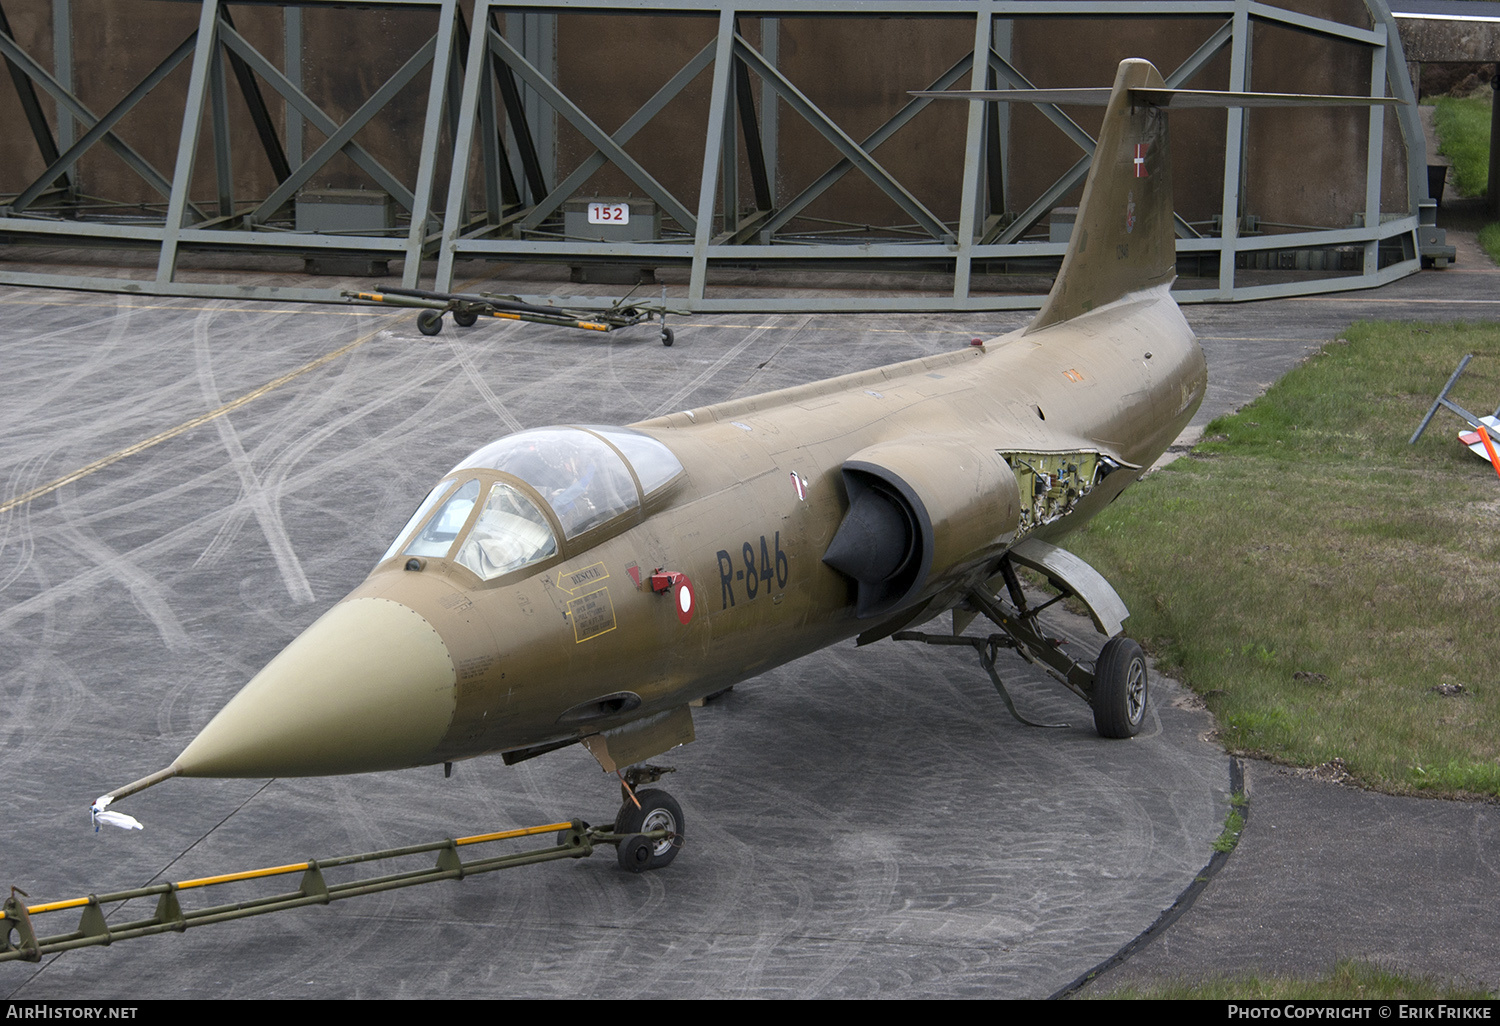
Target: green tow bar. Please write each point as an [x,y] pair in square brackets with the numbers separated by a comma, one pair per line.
[466,309]
[19,940]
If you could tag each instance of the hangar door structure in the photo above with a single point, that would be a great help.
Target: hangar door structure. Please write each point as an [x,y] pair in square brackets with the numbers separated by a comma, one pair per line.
[749,143]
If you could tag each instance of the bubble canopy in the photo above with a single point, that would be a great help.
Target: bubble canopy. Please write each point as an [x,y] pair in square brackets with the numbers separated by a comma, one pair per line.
[587,477]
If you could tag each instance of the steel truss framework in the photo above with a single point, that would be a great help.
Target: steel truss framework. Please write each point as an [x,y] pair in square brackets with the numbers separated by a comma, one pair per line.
[501,97]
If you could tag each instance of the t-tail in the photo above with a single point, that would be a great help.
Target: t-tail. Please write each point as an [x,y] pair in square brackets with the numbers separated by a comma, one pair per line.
[1123,240]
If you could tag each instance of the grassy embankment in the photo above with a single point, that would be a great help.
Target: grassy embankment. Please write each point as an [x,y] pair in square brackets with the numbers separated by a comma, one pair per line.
[1321,583]
[1463,128]
[1349,981]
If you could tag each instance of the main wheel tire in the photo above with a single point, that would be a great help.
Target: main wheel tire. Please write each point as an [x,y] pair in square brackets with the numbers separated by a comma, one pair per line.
[429,322]
[1120,689]
[658,811]
[465,318]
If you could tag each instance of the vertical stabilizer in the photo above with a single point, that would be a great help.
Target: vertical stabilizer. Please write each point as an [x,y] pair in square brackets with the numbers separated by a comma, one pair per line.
[1124,239]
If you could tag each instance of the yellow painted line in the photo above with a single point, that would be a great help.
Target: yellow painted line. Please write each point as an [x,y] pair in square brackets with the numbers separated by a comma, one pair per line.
[185,426]
[550,828]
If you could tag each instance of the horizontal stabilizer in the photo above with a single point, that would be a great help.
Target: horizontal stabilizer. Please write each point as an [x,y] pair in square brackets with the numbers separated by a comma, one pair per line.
[1177,99]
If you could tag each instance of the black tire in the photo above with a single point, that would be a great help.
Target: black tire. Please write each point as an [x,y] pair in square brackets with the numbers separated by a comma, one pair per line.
[667,338]
[465,318]
[635,854]
[658,811]
[429,322]
[1120,689]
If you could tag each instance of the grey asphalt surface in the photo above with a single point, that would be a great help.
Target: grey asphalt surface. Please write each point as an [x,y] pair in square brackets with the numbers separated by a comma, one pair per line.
[862,823]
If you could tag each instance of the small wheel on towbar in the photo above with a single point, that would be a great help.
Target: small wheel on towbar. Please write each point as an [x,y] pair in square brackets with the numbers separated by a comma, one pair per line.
[667,338]
[465,318]
[1120,689]
[658,811]
[429,322]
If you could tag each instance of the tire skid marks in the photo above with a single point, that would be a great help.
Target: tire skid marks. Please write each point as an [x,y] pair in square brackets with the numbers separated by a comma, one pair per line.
[49,704]
[673,403]
[289,438]
[748,387]
[17,542]
[52,408]
[214,521]
[151,597]
[1486,830]
[266,512]
[999,899]
[39,386]
[460,352]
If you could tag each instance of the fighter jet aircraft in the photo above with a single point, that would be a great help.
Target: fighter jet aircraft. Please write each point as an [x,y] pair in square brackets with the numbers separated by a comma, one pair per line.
[585,583]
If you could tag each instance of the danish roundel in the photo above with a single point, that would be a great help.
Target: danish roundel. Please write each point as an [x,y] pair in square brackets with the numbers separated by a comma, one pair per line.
[686,600]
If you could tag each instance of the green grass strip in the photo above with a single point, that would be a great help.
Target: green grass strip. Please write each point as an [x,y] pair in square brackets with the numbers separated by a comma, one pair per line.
[1463,128]
[1349,981]
[1321,583]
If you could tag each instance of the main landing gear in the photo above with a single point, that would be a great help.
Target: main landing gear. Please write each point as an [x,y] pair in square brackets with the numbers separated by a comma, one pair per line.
[1115,685]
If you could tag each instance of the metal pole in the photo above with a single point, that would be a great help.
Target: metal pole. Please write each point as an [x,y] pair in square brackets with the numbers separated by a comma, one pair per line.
[712,150]
[187,143]
[291,63]
[1373,153]
[437,87]
[475,73]
[770,106]
[62,65]
[973,154]
[1234,142]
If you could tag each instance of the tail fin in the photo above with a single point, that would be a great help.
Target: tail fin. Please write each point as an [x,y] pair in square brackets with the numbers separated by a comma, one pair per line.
[1124,239]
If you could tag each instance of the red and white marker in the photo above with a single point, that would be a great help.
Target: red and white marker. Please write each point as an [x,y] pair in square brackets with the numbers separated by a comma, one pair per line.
[685,600]
[1140,159]
[681,588]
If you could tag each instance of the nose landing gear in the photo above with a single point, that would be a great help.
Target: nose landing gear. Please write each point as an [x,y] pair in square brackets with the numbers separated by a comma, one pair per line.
[650,822]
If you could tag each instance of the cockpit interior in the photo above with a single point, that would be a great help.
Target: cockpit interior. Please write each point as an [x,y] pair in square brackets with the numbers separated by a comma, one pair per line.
[505,507]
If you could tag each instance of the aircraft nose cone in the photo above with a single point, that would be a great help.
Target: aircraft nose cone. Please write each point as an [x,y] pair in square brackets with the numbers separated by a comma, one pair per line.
[369,686]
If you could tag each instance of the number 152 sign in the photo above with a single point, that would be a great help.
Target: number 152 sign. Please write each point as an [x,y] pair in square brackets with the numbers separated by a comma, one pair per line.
[609,213]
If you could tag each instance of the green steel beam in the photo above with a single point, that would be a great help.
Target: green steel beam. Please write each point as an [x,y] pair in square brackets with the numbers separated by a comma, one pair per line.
[524,80]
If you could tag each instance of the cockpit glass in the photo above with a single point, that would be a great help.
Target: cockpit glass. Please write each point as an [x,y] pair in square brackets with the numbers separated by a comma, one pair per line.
[437,537]
[581,478]
[653,462]
[433,496]
[509,533]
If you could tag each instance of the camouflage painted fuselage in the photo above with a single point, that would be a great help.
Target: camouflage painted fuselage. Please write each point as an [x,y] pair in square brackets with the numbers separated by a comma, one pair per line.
[1030,434]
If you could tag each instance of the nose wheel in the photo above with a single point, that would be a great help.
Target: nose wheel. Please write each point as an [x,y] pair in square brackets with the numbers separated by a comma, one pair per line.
[645,813]
[659,811]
